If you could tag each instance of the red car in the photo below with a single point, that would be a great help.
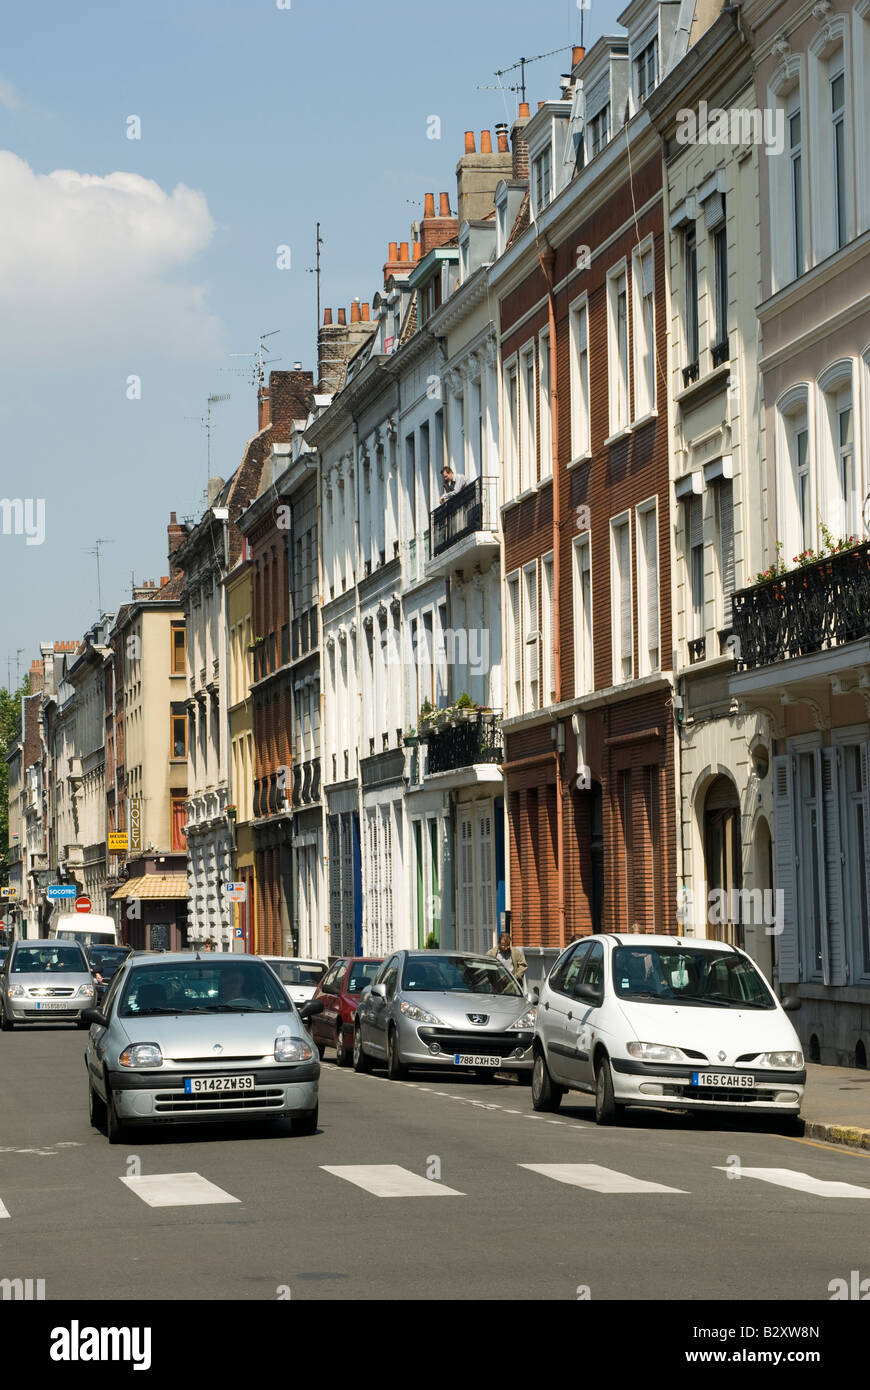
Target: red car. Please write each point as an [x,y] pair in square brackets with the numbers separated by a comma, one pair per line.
[339,991]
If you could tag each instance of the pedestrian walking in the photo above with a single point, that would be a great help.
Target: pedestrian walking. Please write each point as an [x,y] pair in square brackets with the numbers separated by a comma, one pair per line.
[513,957]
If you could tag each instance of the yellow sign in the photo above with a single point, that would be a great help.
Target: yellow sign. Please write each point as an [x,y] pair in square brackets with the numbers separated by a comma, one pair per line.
[118,840]
[9,892]
[135,822]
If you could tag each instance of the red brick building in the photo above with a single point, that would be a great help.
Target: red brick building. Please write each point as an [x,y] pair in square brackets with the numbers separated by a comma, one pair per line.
[589,726]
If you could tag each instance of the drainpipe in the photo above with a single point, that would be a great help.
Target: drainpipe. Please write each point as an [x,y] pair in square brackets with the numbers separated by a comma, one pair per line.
[548,261]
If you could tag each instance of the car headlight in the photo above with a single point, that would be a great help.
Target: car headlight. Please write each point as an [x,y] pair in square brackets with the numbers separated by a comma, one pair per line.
[289,1049]
[85,991]
[142,1055]
[789,1060]
[415,1014]
[16,991]
[526,1020]
[655,1052]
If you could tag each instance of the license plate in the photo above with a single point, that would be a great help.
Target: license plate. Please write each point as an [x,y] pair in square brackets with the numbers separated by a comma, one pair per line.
[469,1059]
[719,1081]
[55,1004]
[201,1085]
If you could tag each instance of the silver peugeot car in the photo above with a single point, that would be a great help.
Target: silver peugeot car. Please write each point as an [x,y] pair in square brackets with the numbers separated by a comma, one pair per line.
[45,982]
[444,1009]
[181,1038]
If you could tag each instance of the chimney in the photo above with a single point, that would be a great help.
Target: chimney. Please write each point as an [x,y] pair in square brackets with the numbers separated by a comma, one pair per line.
[501,135]
[469,142]
[435,231]
[327,318]
[354,311]
[393,251]
[485,142]
[403,251]
[342,318]
[164,579]
[520,162]
[444,207]
[578,55]
[477,177]
[364,310]
[429,205]
[175,535]
[290,393]
[417,250]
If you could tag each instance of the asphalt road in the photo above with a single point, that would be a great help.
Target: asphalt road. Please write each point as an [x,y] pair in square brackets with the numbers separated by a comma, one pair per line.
[484,1224]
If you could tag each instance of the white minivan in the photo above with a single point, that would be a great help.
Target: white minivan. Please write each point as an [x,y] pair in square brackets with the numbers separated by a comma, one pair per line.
[89,928]
[667,1021]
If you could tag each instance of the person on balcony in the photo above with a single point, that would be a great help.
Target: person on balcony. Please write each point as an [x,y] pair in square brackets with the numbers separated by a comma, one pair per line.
[453,482]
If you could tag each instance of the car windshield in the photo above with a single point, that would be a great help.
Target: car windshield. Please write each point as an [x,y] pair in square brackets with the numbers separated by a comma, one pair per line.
[681,975]
[458,975]
[201,987]
[362,973]
[106,960]
[299,972]
[37,959]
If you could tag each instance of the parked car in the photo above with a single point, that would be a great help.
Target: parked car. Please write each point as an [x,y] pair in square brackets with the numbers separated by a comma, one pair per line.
[182,1039]
[443,1009]
[299,977]
[45,982]
[104,962]
[340,991]
[672,1022]
[89,929]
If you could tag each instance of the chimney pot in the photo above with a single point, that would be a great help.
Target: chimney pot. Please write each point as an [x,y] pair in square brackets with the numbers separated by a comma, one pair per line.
[429,205]
[327,317]
[364,310]
[342,317]
[403,251]
[485,142]
[417,250]
[524,109]
[444,209]
[540,104]
[354,311]
[164,579]
[393,252]
[578,55]
[469,142]
[502,139]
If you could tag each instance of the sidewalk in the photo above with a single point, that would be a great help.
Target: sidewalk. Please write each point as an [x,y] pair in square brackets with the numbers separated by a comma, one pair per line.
[836,1105]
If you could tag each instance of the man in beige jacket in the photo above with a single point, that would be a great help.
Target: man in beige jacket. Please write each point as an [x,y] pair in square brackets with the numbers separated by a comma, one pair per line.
[510,956]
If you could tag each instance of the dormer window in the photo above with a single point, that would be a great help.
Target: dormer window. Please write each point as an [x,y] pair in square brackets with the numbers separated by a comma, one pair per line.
[599,130]
[542,180]
[646,73]
[502,225]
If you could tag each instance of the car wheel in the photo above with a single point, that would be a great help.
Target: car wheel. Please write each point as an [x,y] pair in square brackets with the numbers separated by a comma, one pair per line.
[115,1130]
[789,1125]
[6,1024]
[362,1062]
[321,1049]
[341,1057]
[607,1112]
[396,1069]
[546,1095]
[96,1109]
[306,1124]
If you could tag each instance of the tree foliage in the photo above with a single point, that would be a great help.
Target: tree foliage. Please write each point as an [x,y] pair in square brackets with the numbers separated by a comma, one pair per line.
[10,730]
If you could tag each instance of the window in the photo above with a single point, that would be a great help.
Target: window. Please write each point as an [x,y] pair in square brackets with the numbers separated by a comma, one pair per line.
[512,439]
[809,840]
[648,588]
[178,817]
[599,130]
[579,352]
[548,693]
[531,636]
[178,732]
[514,645]
[844,444]
[695,558]
[720,291]
[542,180]
[855,839]
[646,70]
[617,355]
[838,150]
[544,405]
[795,504]
[623,634]
[644,332]
[528,475]
[178,665]
[690,258]
[724,503]
[796,197]
[584,673]
[476,423]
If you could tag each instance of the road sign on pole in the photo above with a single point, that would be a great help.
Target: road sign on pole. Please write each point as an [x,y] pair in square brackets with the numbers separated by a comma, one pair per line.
[83,904]
[236,892]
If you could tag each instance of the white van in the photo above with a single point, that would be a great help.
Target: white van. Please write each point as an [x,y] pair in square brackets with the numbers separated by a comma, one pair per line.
[89,928]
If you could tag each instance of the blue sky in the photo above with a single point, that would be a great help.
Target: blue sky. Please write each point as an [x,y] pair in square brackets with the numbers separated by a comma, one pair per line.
[156,257]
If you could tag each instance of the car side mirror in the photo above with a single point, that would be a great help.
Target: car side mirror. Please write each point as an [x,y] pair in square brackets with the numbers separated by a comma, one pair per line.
[588,994]
[535,994]
[380,991]
[314,1006]
[791,1004]
[95,1016]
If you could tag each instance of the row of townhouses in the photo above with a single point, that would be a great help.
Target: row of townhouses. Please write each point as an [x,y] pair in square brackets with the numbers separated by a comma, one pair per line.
[543,601]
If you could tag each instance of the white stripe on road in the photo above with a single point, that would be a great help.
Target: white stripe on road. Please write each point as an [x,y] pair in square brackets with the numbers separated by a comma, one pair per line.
[800,1182]
[3,1211]
[177,1190]
[596,1178]
[389,1180]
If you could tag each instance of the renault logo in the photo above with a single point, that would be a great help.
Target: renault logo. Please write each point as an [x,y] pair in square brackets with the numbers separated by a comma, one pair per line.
[477,1018]
[721,1056]
[217,1048]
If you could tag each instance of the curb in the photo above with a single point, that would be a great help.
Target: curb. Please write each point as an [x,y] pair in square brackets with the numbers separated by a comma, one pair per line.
[850,1135]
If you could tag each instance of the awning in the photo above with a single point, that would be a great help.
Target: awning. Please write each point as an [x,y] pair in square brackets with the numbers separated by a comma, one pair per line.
[153,886]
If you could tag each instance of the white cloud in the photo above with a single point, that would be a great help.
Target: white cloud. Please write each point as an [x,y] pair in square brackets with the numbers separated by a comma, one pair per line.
[95,265]
[9,97]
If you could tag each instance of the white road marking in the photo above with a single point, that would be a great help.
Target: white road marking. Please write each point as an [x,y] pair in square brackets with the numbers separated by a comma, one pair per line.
[177,1190]
[799,1182]
[389,1180]
[3,1211]
[596,1178]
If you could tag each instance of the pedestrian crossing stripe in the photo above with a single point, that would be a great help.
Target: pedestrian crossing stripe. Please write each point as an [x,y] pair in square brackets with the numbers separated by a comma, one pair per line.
[3,1211]
[390,1180]
[798,1182]
[177,1190]
[597,1179]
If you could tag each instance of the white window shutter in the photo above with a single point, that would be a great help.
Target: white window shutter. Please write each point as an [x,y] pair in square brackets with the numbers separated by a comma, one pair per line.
[696,521]
[625,643]
[486,913]
[833,924]
[726,546]
[466,881]
[823,886]
[651,544]
[647,272]
[785,867]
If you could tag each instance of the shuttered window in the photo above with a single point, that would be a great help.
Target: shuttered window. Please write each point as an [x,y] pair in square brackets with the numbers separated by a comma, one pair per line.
[579,354]
[532,638]
[544,405]
[515,645]
[547,632]
[466,882]
[486,906]
[648,589]
[725,539]
[695,559]
[623,664]
[584,674]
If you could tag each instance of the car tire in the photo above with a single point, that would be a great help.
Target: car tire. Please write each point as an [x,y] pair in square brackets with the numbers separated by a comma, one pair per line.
[792,1126]
[362,1062]
[321,1049]
[6,1024]
[546,1095]
[607,1111]
[116,1131]
[341,1053]
[96,1109]
[306,1124]
[396,1069]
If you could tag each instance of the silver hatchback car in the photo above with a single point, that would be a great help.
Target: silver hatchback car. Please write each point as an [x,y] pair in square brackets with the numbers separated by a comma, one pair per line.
[444,1009]
[45,982]
[183,1038]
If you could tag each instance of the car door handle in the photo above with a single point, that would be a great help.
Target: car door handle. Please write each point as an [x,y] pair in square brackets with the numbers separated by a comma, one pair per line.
[546,1006]
[570,1015]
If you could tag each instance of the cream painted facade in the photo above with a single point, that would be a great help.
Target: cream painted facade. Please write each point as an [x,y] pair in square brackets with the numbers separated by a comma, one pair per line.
[79,758]
[156,767]
[240,673]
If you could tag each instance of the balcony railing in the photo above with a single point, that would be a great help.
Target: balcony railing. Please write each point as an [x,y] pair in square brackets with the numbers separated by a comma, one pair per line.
[473,508]
[697,650]
[811,609]
[464,743]
[720,352]
[691,372]
[304,633]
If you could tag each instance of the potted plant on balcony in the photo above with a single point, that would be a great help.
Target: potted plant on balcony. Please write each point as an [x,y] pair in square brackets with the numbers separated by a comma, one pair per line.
[466,711]
[443,718]
[426,719]
[232,812]
[411,738]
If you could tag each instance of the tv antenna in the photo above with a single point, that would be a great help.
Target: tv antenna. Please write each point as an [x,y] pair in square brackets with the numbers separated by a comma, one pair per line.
[522,63]
[255,373]
[95,550]
[205,421]
[315,271]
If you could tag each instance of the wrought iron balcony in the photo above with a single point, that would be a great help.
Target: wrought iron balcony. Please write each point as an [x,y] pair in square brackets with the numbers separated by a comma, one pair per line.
[697,650]
[465,742]
[720,352]
[691,372]
[811,609]
[473,508]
